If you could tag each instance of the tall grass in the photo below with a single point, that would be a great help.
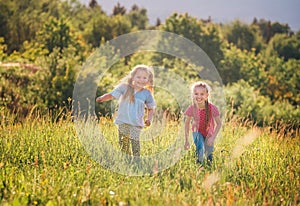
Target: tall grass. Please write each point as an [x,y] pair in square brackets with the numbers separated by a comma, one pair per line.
[43,162]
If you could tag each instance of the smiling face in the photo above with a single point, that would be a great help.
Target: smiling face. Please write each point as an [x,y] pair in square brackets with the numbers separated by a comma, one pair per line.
[200,95]
[140,79]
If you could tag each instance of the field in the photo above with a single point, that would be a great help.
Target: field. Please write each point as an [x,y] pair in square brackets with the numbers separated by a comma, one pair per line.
[43,162]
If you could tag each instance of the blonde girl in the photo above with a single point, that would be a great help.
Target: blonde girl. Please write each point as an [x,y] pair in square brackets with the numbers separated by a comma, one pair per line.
[134,95]
[206,122]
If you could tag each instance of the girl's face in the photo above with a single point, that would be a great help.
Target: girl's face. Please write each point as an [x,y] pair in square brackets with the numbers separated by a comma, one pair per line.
[200,95]
[140,79]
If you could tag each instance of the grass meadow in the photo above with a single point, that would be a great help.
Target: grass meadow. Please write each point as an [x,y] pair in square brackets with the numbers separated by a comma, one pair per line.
[43,162]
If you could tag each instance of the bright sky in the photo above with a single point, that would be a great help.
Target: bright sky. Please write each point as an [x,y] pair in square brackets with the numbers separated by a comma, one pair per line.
[221,11]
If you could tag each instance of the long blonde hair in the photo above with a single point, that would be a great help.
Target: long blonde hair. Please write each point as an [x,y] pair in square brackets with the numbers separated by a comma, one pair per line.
[150,86]
[195,105]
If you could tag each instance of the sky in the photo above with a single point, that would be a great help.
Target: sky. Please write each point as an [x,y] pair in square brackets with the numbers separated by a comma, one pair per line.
[220,11]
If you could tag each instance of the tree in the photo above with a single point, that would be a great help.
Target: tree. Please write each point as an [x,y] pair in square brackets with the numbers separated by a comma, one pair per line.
[267,29]
[284,46]
[158,22]
[247,102]
[96,29]
[25,20]
[138,17]
[64,54]
[119,10]
[3,48]
[231,64]
[103,28]
[277,28]
[282,80]
[242,64]
[272,76]
[120,25]
[56,34]
[243,36]
[205,36]
[93,4]
[5,13]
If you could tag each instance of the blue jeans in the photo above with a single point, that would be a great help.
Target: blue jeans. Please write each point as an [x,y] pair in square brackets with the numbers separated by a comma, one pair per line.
[202,148]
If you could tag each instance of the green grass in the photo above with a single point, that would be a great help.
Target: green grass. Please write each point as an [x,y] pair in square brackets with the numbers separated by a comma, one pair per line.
[44,163]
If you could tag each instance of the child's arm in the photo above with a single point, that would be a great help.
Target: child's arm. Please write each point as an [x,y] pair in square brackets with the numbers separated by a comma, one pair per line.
[210,140]
[149,117]
[187,131]
[104,98]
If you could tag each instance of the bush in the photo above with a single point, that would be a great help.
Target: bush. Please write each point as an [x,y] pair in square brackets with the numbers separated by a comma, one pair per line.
[246,102]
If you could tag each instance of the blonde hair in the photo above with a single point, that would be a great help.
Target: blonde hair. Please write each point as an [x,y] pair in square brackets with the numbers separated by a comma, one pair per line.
[150,85]
[204,85]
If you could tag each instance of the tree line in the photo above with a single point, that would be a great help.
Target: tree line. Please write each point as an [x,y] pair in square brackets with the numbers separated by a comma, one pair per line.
[258,62]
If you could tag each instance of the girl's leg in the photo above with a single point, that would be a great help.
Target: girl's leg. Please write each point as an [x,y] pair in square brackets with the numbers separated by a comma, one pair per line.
[209,152]
[124,133]
[135,140]
[135,144]
[199,142]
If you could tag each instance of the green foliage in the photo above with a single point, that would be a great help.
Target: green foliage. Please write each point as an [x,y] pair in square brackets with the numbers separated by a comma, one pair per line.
[283,80]
[55,37]
[253,69]
[59,77]
[4,14]
[23,19]
[120,25]
[119,10]
[244,36]
[55,34]
[231,65]
[3,48]
[205,36]
[184,25]
[32,51]
[102,27]
[268,29]
[246,102]
[273,77]
[284,46]
[138,18]
[19,89]
[93,4]
[242,64]
[96,29]
[48,85]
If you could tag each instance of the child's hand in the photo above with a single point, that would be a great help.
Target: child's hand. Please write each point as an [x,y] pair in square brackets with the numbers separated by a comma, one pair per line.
[210,141]
[147,122]
[187,145]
